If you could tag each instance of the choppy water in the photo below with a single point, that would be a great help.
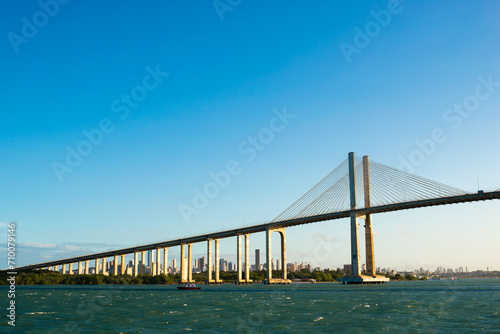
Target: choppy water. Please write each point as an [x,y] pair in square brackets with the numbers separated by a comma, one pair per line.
[427,307]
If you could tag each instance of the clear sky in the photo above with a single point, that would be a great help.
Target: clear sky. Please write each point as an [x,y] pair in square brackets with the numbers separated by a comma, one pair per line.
[114,114]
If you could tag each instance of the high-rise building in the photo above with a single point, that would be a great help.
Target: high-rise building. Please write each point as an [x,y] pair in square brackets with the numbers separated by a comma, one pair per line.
[257,259]
[202,264]
[174,266]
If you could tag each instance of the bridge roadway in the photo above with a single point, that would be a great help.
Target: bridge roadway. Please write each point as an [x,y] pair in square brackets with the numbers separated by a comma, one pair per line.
[480,196]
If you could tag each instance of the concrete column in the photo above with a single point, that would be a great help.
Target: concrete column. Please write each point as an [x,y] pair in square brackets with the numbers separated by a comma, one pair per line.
[184,270]
[143,262]
[283,253]
[158,262]
[123,266]
[104,265]
[165,260]
[238,257]
[354,220]
[190,262]
[247,258]
[80,268]
[87,267]
[370,253]
[97,262]
[70,271]
[217,261]
[136,263]
[115,265]
[56,268]
[269,273]
[209,261]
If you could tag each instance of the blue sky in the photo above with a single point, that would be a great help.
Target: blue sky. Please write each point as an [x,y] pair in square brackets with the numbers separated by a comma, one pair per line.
[221,78]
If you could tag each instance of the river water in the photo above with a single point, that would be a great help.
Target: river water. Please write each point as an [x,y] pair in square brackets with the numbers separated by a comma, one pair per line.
[462,306]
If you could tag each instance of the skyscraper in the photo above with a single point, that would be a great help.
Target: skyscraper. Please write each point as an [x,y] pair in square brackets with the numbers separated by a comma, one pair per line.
[174,266]
[257,259]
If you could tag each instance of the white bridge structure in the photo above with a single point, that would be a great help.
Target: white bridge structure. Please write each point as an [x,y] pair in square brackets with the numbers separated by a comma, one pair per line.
[356,189]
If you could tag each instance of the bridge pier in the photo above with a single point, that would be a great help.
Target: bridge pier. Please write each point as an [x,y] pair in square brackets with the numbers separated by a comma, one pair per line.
[370,253]
[143,262]
[247,259]
[356,276]
[217,262]
[123,266]
[209,262]
[269,274]
[86,267]
[105,266]
[183,265]
[190,263]
[240,280]
[158,262]
[97,262]
[165,260]
[136,263]
[70,269]
[115,265]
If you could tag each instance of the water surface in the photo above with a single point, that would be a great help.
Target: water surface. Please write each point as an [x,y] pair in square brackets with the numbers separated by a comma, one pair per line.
[427,307]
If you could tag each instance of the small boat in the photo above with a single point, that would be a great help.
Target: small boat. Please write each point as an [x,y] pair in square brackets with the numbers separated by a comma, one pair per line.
[189,286]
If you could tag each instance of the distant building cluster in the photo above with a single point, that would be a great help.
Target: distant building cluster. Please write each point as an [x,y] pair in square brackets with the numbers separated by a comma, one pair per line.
[200,265]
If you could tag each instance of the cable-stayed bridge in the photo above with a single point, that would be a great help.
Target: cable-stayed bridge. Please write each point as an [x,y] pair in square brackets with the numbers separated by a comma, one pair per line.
[356,189]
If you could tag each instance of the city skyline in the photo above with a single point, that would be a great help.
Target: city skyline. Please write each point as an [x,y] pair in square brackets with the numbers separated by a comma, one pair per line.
[108,139]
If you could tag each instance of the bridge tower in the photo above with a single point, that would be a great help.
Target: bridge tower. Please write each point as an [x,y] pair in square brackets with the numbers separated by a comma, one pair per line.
[356,277]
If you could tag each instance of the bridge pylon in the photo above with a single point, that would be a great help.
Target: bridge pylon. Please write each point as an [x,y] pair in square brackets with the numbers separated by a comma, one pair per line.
[356,276]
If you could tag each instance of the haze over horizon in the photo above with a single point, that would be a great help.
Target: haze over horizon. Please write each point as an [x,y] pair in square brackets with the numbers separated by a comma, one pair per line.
[115,118]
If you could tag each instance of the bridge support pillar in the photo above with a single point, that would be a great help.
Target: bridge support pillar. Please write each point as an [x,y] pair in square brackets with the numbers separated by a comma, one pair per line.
[80,268]
[239,263]
[238,258]
[356,277]
[165,260]
[247,259]
[209,262]
[356,270]
[105,266]
[143,262]
[97,264]
[158,262]
[370,253]
[70,269]
[217,262]
[123,266]
[190,262]
[136,263]
[354,219]
[184,275]
[269,274]
[115,265]
[86,267]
